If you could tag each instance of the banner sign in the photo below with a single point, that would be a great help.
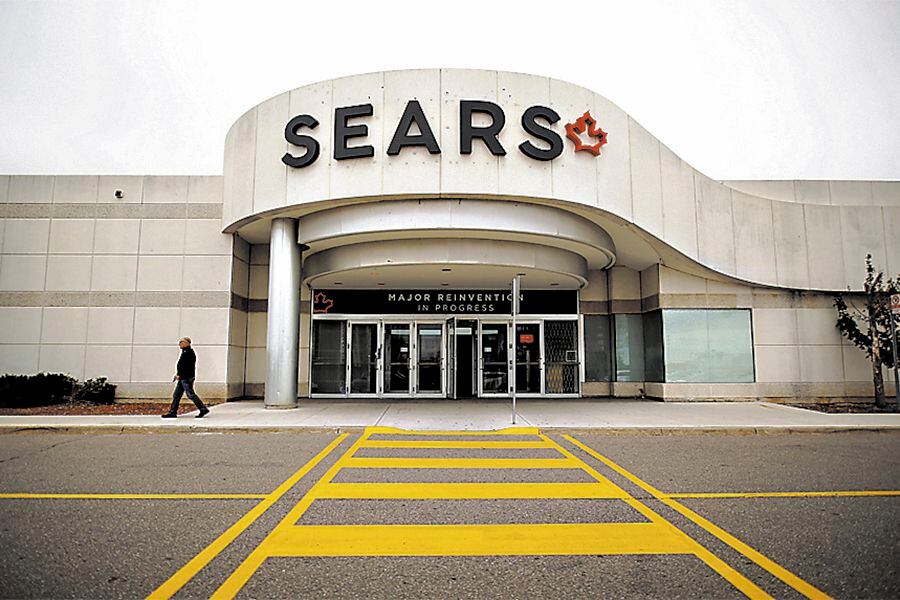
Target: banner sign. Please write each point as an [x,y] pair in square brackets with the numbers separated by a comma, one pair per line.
[442,302]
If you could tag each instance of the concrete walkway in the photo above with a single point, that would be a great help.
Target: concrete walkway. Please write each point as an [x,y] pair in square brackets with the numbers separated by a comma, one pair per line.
[600,414]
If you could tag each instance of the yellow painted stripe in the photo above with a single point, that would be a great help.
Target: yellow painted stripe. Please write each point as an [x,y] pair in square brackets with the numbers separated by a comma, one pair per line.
[475,540]
[460,463]
[452,444]
[135,496]
[458,491]
[188,571]
[242,574]
[830,494]
[726,571]
[507,431]
[766,563]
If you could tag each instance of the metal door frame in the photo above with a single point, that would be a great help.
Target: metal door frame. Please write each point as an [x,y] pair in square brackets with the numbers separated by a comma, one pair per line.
[379,342]
[414,358]
[543,383]
[384,358]
[481,323]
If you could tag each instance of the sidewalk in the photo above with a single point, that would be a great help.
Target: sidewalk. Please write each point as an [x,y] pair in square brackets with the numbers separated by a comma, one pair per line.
[613,416]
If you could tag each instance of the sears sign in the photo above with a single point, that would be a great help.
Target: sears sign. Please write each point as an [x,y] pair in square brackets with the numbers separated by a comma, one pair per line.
[350,125]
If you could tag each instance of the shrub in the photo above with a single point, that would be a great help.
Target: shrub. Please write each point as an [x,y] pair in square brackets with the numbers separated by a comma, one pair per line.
[43,389]
[95,391]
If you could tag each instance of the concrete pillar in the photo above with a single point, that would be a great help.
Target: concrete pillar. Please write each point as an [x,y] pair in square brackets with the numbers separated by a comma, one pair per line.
[283,321]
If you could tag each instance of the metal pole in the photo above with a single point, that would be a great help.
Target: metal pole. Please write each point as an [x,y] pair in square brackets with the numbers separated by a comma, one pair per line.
[514,310]
[896,361]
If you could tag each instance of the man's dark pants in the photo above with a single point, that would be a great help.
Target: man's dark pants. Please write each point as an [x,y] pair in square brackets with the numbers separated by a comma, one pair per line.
[182,386]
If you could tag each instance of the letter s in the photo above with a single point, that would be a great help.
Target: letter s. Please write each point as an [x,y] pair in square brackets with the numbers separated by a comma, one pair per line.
[304,141]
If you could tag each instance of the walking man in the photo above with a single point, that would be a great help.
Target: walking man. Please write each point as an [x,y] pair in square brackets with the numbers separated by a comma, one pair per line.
[184,378]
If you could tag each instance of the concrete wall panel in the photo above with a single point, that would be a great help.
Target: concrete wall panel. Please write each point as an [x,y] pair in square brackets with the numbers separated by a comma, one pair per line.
[68,273]
[754,239]
[477,172]
[679,205]
[414,168]
[715,230]
[862,232]
[791,261]
[360,176]
[270,179]
[76,189]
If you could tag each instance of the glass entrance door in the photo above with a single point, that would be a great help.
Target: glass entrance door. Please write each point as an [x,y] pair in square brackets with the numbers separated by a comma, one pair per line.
[494,359]
[528,358]
[363,358]
[397,358]
[429,354]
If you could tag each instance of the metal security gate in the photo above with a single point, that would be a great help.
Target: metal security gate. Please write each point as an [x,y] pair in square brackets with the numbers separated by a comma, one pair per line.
[561,357]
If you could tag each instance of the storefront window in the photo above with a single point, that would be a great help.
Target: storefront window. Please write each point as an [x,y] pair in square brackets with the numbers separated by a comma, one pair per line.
[653,347]
[597,356]
[629,347]
[329,357]
[708,346]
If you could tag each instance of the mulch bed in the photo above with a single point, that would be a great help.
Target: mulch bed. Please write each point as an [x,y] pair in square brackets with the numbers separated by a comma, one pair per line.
[73,408]
[844,408]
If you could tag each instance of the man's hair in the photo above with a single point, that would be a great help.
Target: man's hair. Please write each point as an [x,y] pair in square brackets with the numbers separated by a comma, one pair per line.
[186,339]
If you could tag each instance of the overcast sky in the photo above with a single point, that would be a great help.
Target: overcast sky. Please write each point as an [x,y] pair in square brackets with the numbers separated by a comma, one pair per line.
[741,90]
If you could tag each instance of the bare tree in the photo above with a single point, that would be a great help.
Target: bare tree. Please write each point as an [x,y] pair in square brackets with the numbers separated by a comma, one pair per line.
[875,340]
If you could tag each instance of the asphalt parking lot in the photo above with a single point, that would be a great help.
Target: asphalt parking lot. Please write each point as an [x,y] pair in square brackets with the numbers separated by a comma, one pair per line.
[388,513]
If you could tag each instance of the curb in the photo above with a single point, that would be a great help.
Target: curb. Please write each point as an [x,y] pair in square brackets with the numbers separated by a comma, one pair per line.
[618,430]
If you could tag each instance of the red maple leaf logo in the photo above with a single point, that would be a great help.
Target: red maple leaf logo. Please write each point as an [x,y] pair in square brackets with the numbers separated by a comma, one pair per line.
[586,123]
[322,303]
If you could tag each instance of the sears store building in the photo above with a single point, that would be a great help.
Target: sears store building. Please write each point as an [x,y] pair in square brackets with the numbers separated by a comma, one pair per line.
[362,240]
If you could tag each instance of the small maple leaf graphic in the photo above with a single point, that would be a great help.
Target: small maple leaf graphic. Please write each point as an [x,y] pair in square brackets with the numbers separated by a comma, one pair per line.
[586,123]
[322,303]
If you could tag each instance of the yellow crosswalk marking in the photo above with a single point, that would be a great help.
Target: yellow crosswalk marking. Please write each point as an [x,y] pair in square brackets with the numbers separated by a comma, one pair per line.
[477,540]
[507,431]
[656,535]
[458,491]
[452,445]
[460,463]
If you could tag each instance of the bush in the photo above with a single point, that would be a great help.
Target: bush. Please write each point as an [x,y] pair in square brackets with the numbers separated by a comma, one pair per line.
[95,391]
[43,389]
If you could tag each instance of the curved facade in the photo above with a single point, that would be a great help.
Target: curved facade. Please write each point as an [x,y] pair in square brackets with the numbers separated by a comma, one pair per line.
[365,232]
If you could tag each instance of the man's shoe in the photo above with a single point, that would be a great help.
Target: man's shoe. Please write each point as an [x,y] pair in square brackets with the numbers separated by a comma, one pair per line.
[203,412]
[170,415]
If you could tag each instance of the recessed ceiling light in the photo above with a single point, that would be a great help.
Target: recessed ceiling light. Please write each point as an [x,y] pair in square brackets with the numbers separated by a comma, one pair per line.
[446,269]
[338,283]
[444,283]
[520,274]
[554,283]
[380,283]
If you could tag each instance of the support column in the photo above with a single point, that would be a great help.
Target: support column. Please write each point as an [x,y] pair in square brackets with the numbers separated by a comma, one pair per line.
[283,320]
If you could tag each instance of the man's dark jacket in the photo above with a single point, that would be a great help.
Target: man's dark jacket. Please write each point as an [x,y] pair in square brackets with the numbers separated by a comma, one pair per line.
[187,363]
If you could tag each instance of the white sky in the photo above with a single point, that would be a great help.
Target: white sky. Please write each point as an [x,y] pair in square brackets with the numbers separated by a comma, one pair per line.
[782,89]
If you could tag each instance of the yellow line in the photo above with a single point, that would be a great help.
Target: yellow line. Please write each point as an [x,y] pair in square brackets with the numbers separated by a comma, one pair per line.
[831,494]
[457,491]
[188,571]
[477,540]
[452,444]
[769,565]
[726,571]
[240,576]
[134,496]
[506,431]
[460,463]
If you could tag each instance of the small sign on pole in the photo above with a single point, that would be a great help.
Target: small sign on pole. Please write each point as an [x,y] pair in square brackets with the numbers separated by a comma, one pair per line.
[895,304]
